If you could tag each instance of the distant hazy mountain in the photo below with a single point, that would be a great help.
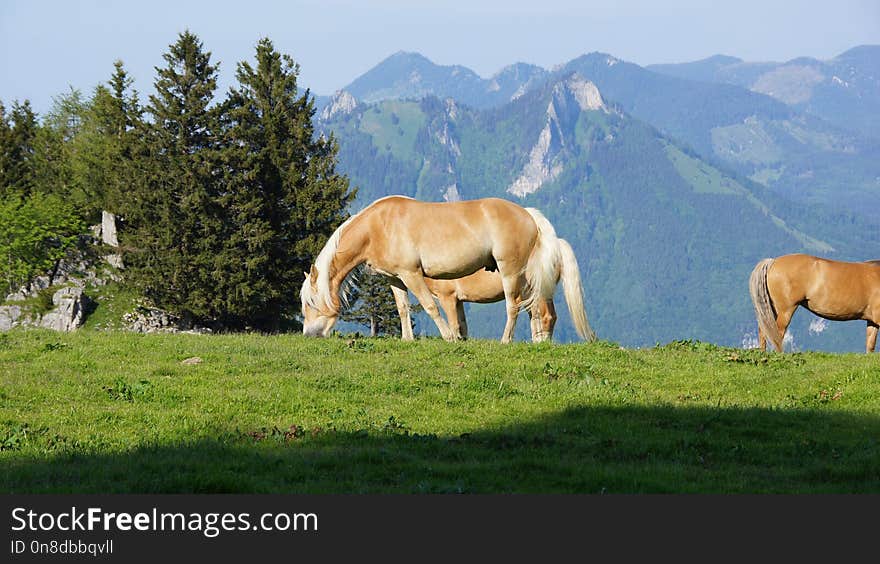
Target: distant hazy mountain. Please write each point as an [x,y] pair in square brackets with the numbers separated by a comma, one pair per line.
[844,90]
[793,152]
[705,70]
[411,75]
[665,239]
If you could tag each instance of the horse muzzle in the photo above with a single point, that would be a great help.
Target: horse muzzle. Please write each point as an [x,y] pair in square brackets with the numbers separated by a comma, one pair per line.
[319,327]
[314,329]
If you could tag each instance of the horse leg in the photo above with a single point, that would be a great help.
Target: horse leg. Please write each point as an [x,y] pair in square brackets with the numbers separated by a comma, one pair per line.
[762,340]
[449,304]
[401,300]
[417,286]
[462,320]
[536,315]
[535,323]
[871,337]
[543,314]
[513,285]
[548,318]
[783,319]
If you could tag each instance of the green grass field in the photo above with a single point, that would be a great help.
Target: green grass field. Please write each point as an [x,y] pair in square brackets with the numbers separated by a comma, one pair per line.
[101,411]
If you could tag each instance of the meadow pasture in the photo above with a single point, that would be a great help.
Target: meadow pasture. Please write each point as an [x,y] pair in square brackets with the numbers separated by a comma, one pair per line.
[113,412]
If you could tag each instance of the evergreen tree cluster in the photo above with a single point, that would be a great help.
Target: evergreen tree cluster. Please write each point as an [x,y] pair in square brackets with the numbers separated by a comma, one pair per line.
[37,227]
[222,204]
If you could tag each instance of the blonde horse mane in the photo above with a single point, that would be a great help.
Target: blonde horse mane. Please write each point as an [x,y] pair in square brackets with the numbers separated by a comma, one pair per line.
[323,262]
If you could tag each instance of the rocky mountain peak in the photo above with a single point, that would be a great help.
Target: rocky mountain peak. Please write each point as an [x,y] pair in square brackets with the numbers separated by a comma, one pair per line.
[341,103]
[584,92]
[570,96]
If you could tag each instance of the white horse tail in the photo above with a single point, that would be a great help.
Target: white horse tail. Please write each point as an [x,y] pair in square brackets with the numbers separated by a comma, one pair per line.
[543,265]
[573,290]
[764,310]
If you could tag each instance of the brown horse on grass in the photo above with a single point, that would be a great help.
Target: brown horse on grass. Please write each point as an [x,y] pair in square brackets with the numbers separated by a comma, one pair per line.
[408,240]
[485,287]
[835,290]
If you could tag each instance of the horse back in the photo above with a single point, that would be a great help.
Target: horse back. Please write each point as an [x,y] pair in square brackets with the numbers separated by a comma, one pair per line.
[831,288]
[448,239]
[805,269]
[483,210]
[490,222]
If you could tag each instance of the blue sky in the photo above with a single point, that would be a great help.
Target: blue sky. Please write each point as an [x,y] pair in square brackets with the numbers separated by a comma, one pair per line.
[48,46]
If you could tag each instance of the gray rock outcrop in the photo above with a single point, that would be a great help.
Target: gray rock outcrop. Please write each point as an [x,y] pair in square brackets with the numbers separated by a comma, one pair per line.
[69,312]
[108,229]
[148,319]
[10,316]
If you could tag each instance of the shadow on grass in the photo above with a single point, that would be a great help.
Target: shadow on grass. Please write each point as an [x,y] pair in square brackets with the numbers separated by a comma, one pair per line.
[584,450]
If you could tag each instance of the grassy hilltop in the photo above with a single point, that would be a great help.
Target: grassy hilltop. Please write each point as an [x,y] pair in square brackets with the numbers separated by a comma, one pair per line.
[103,411]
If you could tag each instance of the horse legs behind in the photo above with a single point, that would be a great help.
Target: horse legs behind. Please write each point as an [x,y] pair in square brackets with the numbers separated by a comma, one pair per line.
[535,322]
[543,320]
[462,320]
[548,317]
[416,284]
[451,305]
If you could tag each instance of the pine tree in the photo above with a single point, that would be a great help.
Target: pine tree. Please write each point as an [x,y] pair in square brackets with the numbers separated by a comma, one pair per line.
[5,150]
[56,148]
[106,147]
[173,224]
[17,148]
[283,196]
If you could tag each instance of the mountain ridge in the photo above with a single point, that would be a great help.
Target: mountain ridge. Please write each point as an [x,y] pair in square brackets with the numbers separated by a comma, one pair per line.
[797,154]
[844,90]
[412,75]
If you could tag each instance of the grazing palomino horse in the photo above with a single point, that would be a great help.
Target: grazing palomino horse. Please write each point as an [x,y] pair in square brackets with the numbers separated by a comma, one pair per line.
[835,290]
[407,240]
[485,287]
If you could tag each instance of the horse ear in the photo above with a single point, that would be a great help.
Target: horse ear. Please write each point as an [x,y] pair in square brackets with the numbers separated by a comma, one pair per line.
[313,273]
